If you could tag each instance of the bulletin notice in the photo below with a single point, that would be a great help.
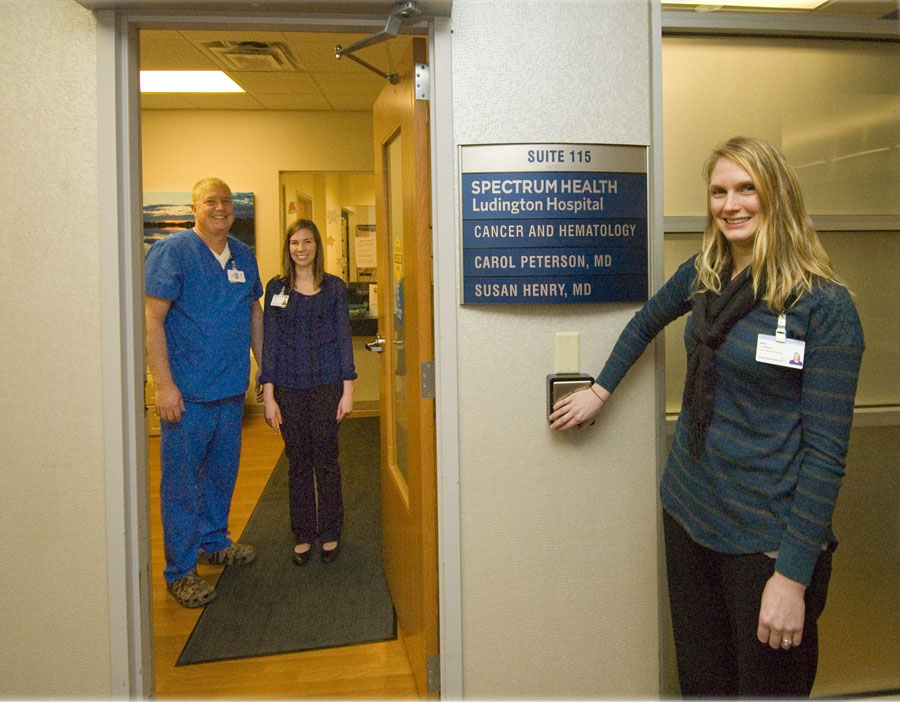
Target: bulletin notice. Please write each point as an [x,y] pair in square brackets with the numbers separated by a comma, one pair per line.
[553,223]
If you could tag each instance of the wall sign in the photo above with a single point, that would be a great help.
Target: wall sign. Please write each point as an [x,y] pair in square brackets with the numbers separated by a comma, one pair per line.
[553,223]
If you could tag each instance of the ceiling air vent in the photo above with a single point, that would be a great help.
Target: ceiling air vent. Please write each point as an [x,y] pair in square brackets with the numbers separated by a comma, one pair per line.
[252,55]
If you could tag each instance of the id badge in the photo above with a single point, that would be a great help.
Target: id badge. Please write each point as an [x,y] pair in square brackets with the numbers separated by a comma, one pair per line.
[236,276]
[788,353]
[279,300]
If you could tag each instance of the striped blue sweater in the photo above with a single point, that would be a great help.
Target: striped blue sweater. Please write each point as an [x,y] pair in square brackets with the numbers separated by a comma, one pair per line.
[770,470]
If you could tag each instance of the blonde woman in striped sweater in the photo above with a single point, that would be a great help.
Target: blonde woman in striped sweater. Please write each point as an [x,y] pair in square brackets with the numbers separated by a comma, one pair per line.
[774,347]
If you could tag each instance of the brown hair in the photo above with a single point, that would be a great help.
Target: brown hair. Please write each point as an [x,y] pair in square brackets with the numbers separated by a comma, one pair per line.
[287,263]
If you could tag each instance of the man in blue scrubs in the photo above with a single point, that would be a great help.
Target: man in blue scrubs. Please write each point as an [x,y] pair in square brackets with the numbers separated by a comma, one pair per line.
[202,314]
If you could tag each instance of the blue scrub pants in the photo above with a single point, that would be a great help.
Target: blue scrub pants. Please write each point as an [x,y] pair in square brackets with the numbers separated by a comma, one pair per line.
[199,459]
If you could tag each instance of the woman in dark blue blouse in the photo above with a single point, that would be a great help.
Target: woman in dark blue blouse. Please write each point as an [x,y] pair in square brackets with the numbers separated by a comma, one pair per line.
[774,347]
[307,376]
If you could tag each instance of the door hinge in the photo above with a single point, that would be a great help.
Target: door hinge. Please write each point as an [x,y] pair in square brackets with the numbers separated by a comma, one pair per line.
[433,674]
[423,81]
[427,380]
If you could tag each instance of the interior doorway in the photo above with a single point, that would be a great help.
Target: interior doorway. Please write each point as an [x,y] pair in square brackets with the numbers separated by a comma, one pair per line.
[157,164]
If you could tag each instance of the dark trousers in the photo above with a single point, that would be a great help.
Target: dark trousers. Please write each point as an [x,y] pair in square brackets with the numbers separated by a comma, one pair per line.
[310,432]
[715,600]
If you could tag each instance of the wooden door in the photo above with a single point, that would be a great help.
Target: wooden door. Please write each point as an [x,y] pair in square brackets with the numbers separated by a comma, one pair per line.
[408,475]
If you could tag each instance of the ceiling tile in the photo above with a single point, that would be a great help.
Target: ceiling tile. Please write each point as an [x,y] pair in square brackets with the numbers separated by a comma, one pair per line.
[321,83]
[165,101]
[201,36]
[367,83]
[274,82]
[294,102]
[222,101]
[319,55]
[161,34]
[354,103]
[173,55]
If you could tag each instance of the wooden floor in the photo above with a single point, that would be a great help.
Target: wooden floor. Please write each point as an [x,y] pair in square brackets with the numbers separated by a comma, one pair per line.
[370,671]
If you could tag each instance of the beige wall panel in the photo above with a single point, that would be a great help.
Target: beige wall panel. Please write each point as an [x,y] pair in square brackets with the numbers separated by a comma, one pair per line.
[867,262]
[860,649]
[558,533]
[55,640]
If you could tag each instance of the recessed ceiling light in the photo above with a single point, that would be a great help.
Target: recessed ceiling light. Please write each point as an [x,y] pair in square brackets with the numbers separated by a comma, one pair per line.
[187,82]
[751,4]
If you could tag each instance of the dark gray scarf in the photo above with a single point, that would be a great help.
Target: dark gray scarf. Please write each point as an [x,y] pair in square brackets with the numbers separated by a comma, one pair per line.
[712,317]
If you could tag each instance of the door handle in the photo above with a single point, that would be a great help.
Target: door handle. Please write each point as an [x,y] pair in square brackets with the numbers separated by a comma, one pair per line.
[376,346]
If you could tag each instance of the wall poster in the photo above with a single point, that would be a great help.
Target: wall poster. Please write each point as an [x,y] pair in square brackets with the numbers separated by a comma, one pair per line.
[169,212]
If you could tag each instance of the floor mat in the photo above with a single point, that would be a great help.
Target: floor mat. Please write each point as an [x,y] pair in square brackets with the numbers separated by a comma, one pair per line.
[271,606]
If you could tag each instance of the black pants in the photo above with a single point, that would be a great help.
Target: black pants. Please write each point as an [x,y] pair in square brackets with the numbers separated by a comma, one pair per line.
[715,601]
[310,432]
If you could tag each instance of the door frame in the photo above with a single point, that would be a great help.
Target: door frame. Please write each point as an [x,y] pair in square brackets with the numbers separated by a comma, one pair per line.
[121,285]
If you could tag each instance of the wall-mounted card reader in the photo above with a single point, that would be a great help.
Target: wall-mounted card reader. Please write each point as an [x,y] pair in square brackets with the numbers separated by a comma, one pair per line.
[561,384]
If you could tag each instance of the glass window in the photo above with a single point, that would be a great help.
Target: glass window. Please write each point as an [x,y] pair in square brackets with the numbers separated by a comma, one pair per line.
[832,106]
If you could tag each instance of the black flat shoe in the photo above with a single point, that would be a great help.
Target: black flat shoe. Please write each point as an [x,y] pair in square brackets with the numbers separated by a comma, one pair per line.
[301,559]
[330,556]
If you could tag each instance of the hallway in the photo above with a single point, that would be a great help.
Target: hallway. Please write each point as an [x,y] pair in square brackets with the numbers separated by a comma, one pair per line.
[370,671]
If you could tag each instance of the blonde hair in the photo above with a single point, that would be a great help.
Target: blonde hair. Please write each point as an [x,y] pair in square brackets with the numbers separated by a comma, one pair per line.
[787,253]
[205,183]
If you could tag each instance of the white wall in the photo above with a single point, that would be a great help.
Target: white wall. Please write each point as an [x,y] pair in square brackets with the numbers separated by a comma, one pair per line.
[558,533]
[55,620]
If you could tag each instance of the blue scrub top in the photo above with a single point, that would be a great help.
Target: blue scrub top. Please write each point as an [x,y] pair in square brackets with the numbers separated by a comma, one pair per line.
[208,324]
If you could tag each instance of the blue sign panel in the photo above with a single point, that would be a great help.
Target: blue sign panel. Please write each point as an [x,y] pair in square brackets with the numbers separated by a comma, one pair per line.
[553,224]
[528,195]
[479,233]
[561,289]
[572,261]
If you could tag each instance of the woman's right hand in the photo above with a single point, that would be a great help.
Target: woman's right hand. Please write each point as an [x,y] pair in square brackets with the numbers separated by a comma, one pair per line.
[273,414]
[273,411]
[579,408]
